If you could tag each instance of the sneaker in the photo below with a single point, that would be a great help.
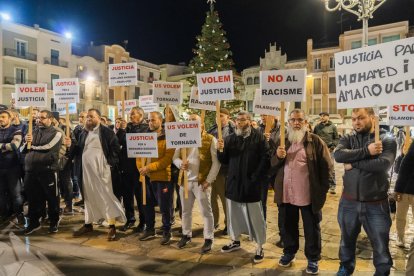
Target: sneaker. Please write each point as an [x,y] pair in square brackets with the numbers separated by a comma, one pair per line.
[127,225]
[184,241]
[343,272]
[332,190]
[258,258]
[111,234]
[280,244]
[312,268]
[400,243]
[148,234]
[166,238]
[286,260]
[140,228]
[68,210]
[53,228]
[32,228]
[233,246]
[86,228]
[208,244]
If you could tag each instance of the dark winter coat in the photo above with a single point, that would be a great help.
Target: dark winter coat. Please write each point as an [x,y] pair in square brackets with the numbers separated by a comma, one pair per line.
[405,180]
[328,133]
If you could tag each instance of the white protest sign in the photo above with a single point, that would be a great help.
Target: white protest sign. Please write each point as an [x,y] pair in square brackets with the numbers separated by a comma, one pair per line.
[183,134]
[66,91]
[168,92]
[129,104]
[267,108]
[61,108]
[142,145]
[215,86]
[379,75]
[147,103]
[401,115]
[197,104]
[31,95]
[283,85]
[123,74]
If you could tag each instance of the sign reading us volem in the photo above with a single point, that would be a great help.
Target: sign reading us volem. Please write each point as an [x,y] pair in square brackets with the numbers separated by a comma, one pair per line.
[267,108]
[401,115]
[123,74]
[31,95]
[381,75]
[147,104]
[197,104]
[168,92]
[215,86]
[129,104]
[283,85]
[66,91]
[142,145]
[61,108]
[183,134]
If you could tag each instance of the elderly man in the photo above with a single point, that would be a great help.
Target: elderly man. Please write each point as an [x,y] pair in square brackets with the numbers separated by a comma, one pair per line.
[303,166]
[247,154]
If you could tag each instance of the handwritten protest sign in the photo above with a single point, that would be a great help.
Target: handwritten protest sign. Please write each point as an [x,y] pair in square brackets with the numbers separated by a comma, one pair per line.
[183,134]
[267,108]
[147,103]
[283,85]
[168,92]
[66,91]
[129,104]
[61,108]
[142,145]
[215,86]
[401,115]
[197,104]
[378,75]
[31,95]
[123,74]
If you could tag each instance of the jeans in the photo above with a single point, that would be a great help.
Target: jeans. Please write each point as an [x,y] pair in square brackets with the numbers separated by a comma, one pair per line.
[264,193]
[332,179]
[10,188]
[376,220]
[161,192]
[132,188]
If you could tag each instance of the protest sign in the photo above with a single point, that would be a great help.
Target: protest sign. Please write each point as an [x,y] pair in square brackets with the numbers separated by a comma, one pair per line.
[168,92]
[183,134]
[215,86]
[31,95]
[197,104]
[267,108]
[142,145]
[401,115]
[147,104]
[61,108]
[66,91]
[283,85]
[128,105]
[123,74]
[378,75]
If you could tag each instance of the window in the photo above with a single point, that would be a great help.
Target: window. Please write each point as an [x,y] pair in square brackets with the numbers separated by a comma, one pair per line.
[250,106]
[356,44]
[139,74]
[98,93]
[332,62]
[21,75]
[123,61]
[111,60]
[390,38]
[332,106]
[137,92]
[21,48]
[150,91]
[317,64]
[317,86]
[332,85]
[249,81]
[54,57]
[317,106]
[372,41]
[82,90]
[52,104]
[256,80]
[53,77]
[111,94]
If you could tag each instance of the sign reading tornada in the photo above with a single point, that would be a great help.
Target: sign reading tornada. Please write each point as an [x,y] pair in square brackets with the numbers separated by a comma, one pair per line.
[215,86]
[401,115]
[283,85]
[183,134]
[197,104]
[31,95]
[147,104]
[66,91]
[168,92]
[380,75]
[142,145]
[128,104]
[123,74]
[267,108]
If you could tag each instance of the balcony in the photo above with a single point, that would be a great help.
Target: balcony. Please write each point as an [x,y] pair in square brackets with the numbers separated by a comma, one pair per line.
[56,62]
[24,55]
[13,81]
[150,79]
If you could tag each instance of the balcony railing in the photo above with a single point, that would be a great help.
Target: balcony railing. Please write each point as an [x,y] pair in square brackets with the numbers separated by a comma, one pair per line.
[25,55]
[150,79]
[56,62]
[13,81]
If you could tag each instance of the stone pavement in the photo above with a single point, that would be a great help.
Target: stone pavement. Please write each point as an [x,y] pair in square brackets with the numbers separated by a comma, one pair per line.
[61,254]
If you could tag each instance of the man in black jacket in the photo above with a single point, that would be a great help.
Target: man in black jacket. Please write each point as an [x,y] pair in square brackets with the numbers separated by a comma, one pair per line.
[247,155]
[364,198]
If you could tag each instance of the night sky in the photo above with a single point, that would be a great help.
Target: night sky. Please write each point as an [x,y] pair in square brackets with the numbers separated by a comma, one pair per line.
[162,31]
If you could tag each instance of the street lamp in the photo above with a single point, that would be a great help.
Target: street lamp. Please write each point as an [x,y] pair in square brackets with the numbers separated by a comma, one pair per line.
[5,16]
[363,9]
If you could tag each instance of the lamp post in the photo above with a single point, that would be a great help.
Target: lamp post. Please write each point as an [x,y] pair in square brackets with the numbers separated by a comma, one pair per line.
[363,9]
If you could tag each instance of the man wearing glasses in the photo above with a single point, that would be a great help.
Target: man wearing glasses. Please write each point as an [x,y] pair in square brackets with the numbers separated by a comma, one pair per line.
[303,166]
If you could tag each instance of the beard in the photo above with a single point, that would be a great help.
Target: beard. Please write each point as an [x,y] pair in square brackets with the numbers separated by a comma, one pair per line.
[90,125]
[244,132]
[296,136]
[366,129]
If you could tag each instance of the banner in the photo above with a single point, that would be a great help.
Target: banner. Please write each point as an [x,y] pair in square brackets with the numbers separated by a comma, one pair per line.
[272,109]
[147,103]
[142,145]
[129,104]
[283,85]
[379,75]
[31,95]
[66,91]
[61,108]
[197,104]
[168,92]
[123,74]
[215,86]
[401,115]
[183,134]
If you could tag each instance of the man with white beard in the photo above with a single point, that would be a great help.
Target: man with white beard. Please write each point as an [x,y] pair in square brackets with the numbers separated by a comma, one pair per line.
[301,184]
